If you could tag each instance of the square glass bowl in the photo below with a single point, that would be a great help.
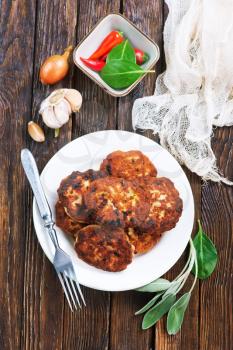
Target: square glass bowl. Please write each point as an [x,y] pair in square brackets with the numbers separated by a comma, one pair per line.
[94,38]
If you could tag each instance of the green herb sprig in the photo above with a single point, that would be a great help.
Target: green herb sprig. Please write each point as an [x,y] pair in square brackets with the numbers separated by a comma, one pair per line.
[121,69]
[207,255]
[201,262]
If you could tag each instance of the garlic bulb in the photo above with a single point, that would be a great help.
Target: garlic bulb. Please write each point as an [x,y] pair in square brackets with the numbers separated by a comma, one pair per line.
[58,106]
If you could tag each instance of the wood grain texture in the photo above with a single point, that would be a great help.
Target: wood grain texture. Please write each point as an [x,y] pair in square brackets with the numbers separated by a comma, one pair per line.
[217,218]
[16,55]
[43,295]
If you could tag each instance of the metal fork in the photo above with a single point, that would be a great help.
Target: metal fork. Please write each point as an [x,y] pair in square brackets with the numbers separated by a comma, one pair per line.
[62,262]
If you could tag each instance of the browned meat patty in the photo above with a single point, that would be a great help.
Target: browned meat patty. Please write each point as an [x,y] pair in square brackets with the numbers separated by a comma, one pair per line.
[142,241]
[71,192]
[165,204]
[103,248]
[117,202]
[63,221]
[128,165]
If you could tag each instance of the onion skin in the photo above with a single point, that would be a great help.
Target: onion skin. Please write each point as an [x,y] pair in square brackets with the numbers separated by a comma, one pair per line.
[55,68]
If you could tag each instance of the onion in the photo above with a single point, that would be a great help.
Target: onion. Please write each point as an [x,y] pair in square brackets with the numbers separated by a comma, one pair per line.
[55,67]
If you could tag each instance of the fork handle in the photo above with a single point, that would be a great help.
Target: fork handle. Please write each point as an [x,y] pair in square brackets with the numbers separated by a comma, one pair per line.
[31,170]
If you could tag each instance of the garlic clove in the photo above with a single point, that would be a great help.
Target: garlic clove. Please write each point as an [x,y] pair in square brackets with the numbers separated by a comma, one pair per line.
[68,105]
[62,112]
[44,104]
[35,131]
[50,119]
[56,96]
[74,98]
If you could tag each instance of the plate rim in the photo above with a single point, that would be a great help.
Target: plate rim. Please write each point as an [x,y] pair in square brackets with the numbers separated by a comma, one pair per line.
[166,269]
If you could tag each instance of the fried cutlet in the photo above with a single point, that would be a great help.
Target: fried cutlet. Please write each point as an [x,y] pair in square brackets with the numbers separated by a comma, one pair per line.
[71,192]
[128,165]
[165,204]
[117,202]
[142,241]
[63,221]
[105,249]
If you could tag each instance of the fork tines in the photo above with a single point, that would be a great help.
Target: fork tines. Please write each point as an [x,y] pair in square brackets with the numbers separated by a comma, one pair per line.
[71,289]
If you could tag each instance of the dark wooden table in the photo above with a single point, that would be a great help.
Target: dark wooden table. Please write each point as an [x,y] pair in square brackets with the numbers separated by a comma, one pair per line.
[33,312]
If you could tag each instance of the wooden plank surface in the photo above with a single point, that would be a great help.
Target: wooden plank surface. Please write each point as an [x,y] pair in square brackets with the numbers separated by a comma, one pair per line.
[31,298]
[16,55]
[217,216]
[43,297]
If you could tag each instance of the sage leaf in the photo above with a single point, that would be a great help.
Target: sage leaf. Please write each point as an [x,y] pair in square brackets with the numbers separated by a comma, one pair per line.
[206,252]
[176,314]
[174,286]
[155,286]
[157,311]
[123,51]
[149,304]
[120,74]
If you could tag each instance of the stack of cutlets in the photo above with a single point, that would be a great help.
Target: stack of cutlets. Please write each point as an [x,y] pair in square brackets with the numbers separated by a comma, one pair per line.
[118,211]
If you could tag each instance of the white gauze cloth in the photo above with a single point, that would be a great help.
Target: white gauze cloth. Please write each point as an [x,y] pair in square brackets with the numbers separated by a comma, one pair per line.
[195,92]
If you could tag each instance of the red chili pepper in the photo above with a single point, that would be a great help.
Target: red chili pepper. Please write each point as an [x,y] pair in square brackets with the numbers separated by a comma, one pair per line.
[141,56]
[104,57]
[95,65]
[112,39]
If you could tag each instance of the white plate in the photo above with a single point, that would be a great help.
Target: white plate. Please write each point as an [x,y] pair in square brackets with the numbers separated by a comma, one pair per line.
[87,152]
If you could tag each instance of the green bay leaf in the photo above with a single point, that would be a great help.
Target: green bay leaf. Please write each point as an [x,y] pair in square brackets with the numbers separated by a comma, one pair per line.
[123,51]
[206,252]
[157,311]
[120,74]
[176,314]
